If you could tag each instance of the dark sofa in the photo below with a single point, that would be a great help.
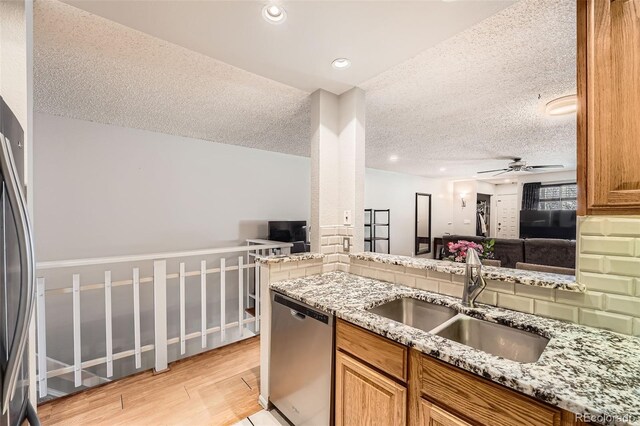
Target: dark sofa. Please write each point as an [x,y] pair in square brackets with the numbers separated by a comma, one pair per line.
[536,251]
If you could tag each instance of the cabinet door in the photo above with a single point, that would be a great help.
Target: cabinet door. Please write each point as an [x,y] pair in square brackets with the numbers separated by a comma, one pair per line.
[432,415]
[366,397]
[609,92]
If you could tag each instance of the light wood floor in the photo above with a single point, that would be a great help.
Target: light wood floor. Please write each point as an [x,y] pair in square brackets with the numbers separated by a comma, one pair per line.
[219,387]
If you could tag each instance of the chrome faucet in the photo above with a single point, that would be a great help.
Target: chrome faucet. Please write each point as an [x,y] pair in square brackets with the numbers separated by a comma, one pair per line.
[473,283]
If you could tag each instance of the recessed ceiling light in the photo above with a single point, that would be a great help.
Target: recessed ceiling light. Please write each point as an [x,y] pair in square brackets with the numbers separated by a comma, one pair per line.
[563,105]
[393,158]
[274,14]
[443,169]
[341,63]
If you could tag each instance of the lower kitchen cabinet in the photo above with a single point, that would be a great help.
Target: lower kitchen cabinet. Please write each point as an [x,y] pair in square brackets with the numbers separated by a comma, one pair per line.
[366,397]
[380,382]
[432,415]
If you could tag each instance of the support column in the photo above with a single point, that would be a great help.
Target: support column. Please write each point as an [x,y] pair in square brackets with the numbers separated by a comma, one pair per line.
[337,170]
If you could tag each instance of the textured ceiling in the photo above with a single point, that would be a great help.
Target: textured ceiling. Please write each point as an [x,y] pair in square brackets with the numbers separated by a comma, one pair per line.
[90,68]
[461,105]
[375,35]
[473,99]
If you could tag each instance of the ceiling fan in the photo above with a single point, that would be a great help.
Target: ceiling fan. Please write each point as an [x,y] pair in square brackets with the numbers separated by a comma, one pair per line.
[521,166]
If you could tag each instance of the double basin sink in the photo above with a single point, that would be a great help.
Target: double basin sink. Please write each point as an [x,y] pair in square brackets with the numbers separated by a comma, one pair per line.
[496,339]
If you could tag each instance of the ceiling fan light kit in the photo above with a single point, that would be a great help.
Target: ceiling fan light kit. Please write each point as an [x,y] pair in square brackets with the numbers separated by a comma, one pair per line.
[517,165]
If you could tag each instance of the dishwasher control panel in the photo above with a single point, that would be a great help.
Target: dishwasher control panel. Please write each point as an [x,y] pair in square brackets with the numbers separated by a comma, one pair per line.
[301,309]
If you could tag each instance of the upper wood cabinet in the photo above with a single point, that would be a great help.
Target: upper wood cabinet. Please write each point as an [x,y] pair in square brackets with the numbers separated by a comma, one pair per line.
[609,106]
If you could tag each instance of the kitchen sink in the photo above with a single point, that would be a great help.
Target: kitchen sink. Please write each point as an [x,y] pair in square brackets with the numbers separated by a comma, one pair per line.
[496,339]
[415,313]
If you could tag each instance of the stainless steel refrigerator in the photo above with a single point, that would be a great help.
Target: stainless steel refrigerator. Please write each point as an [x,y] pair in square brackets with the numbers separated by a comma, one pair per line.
[17,290]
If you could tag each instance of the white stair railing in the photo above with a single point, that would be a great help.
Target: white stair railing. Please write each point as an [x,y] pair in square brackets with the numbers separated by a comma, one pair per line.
[159,280]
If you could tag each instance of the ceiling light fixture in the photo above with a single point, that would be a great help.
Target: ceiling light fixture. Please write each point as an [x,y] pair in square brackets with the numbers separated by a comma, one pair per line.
[562,106]
[341,63]
[443,169]
[393,158]
[274,14]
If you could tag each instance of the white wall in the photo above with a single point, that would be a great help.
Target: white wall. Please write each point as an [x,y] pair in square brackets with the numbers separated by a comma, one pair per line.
[396,191]
[464,218]
[105,190]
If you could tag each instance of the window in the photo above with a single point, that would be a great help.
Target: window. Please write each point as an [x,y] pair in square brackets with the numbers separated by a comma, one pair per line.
[558,197]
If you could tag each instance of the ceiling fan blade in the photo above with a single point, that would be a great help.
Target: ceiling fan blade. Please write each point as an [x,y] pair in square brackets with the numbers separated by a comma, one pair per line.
[491,171]
[548,166]
[501,173]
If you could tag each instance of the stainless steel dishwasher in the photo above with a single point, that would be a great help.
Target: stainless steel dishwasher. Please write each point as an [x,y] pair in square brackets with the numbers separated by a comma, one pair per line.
[301,363]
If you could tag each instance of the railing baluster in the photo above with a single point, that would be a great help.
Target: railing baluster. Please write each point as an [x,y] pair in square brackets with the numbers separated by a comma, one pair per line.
[203,304]
[247,280]
[182,311]
[257,297]
[77,344]
[240,297]
[42,339]
[249,273]
[136,316]
[160,313]
[223,302]
[108,325]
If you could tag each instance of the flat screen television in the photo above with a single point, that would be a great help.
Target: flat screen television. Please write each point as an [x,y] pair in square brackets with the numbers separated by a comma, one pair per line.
[560,224]
[288,231]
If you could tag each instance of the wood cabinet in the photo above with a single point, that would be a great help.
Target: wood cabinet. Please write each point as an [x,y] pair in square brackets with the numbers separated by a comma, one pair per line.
[380,382]
[478,400]
[432,415]
[366,397]
[608,106]
[381,353]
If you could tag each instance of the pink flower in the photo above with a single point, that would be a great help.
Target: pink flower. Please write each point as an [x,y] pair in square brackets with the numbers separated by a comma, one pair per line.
[460,249]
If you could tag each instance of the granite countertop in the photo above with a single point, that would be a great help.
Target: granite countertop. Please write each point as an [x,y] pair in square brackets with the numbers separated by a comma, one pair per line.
[582,370]
[519,276]
[288,258]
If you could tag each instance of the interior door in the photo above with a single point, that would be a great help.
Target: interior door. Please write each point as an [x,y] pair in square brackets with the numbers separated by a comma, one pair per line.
[507,216]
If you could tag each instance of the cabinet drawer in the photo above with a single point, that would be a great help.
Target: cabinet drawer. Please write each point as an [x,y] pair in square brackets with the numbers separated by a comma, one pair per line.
[432,415]
[389,357]
[480,400]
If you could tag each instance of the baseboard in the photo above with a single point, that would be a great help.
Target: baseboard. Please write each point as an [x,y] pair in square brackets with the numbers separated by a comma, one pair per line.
[263,402]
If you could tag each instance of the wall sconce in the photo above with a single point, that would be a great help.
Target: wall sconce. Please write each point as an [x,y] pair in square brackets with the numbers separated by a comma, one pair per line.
[462,200]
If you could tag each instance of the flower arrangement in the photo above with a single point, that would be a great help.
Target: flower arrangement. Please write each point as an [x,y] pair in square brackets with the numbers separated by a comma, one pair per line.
[458,251]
